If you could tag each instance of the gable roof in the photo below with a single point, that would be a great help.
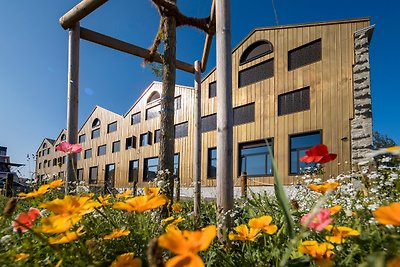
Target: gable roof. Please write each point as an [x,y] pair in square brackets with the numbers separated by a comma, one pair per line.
[91,113]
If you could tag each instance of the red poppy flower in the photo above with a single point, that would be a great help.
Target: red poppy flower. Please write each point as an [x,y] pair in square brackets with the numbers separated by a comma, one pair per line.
[68,148]
[25,220]
[318,154]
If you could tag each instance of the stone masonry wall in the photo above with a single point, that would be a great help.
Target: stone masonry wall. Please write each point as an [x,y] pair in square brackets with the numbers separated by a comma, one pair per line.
[361,125]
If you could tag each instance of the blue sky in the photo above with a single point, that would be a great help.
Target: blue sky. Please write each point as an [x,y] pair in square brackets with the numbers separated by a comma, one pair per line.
[34,47]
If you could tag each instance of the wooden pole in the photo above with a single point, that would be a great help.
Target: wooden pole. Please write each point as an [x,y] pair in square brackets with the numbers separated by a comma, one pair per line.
[9,185]
[80,11]
[128,48]
[197,142]
[243,178]
[72,104]
[208,41]
[224,117]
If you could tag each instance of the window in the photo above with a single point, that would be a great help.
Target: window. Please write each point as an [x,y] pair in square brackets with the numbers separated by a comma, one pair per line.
[243,114]
[176,164]
[54,161]
[299,144]
[181,130]
[133,174]
[40,165]
[212,89]
[145,139]
[116,146]
[40,153]
[95,123]
[88,153]
[78,156]
[82,138]
[256,73]
[48,151]
[79,174]
[44,146]
[112,127]
[157,136]
[48,163]
[153,97]
[177,103]
[304,55]
[153,112]
[101,150]
[294,101]
[209,123]
[256,50]
[130,142]
[64,159]
[61,175]
[63,137]
[150,169]
[255,159]
[212,163]
[93,175]
[95,133]
[135,118]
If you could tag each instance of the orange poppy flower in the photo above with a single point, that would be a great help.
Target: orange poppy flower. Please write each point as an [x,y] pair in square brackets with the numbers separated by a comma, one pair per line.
[36,193]
[71,205]
[177,207]
[56,183]
[56,224]
[127,259]
[322,188]
[103,200]
[186,244]
[117,233]
[66,237]
[321,252]
[335,209]
[339,233]
[21,256]
[24,221]
[318,154]
[263,223]
[141,203]
[243,233]
[388,214]
[126,194]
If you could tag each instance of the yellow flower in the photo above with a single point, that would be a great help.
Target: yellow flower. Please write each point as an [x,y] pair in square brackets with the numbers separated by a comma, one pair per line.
[339,233]
[335,209]
[177,207]
[321,253]
[151,192]
[117,233]
[21,256]
[173,226]
[322,188]
[56,183]
[104,199]
[141,203]
[66,237]
[243,233]
[186,244]
[126,194]
[35,193]
[388,214]
[395,262]
[71,205]
[263,223]
[56,224]
[59,263]
[127,260]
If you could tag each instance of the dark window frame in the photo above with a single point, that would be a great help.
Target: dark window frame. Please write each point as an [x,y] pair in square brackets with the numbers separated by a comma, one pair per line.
[101,147]
[96,123]
[132,175]
[149,137]
[97,131]
[298,149]
[299,103]
[93,180]
[212,89]
[79,174]
[211,124]
[211,159]
[255,144]
[82,138]
[177,103]
[132,142]
[146,169]
[114,150]
[135,118]
[311,59]
[157,136]
[111,130]
[244,57]
[249,115]
[249,79]
[181,130]
[153,112]
[88,151]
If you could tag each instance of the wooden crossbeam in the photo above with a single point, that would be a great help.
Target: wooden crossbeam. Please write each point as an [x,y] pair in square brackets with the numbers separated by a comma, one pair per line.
[208,41]
[122,46]
[79,11]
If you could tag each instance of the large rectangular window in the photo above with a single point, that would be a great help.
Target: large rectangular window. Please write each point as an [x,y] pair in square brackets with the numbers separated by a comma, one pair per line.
[209,123]
[256,73]
[181,130]
[95,133]
[299,144]
[93,175]
[135,118]
[116,146]
[79,174]
[177,103]
[255,159]
[212,163]
[305,55]
[243,114]
[88,153]
[133,174]
[101,150]
[153,112]
[212,89]
[130,142]
[157,136]
[112,127]
[145,139]
[150,169]
[294,101]
[82,138]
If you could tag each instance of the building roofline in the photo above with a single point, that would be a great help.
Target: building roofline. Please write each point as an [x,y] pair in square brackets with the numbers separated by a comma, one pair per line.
[91,113]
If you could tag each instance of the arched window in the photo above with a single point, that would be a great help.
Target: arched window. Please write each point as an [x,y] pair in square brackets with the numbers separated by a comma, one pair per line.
[256,50]
[154,96]
[96,123]
[63,137]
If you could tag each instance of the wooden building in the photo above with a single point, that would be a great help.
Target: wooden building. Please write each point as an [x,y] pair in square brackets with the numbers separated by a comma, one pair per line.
[294,87]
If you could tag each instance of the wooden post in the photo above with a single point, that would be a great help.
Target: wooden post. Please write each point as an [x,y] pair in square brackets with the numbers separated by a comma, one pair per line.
[197,142]
[9,184]
[243,179]
[72,104]
[224,117]
[177,189]
[134,188]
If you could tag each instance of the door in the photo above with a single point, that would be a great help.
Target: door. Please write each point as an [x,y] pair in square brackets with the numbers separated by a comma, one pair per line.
[109,178]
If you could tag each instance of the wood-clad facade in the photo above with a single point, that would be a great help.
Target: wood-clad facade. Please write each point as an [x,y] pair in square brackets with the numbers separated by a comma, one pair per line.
[292,87]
